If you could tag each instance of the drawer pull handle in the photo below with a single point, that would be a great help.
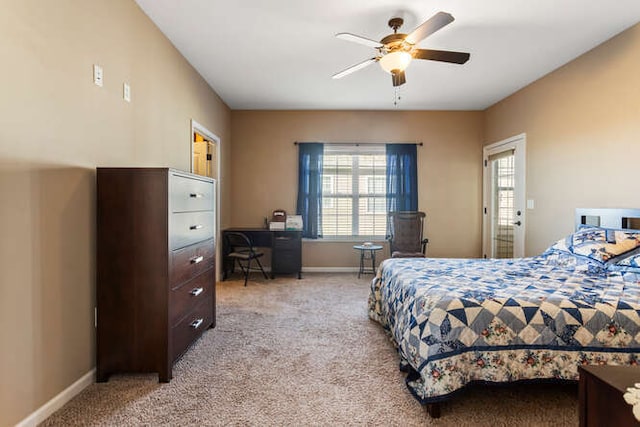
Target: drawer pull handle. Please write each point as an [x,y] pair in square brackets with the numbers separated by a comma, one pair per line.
[196,291]
[196,260]
[196,227]
[196,195]
[196,323]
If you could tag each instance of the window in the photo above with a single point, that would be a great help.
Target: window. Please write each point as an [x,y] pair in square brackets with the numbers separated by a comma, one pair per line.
[345,190]
[505,182]
[376,185]
[328,187]
[503,205]
[354,191]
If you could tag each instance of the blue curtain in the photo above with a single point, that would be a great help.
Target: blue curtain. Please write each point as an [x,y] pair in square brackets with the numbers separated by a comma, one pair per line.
[402,177]
[310,188]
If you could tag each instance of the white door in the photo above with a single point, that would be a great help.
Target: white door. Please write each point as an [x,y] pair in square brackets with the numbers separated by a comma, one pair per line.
[504,198]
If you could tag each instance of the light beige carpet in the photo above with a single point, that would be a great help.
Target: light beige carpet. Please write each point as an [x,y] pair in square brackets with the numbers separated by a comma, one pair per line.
[300,352]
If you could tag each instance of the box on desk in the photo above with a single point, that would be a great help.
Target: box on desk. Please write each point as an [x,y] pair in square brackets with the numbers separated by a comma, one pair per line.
[277,226]
[294,222]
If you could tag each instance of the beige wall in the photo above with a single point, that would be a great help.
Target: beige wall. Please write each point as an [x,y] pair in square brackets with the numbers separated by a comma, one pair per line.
[583,136]
[264,170]
[55,128]
[582,124]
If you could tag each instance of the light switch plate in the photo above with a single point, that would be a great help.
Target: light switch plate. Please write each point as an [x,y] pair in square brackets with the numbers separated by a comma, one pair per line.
[97,75]
[530,204]
[126,92]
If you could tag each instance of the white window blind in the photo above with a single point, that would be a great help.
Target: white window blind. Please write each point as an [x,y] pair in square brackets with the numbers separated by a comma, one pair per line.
[354,191]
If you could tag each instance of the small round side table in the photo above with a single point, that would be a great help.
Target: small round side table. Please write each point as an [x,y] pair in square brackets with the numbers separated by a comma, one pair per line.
[367,252]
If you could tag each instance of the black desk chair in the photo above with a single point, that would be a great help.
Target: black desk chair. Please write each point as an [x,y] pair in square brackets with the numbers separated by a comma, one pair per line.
[241,250]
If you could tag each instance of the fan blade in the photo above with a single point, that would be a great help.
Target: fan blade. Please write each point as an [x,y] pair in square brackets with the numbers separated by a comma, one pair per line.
[441,55]
[429,27]
[398,78]
[355,68]
[357,39]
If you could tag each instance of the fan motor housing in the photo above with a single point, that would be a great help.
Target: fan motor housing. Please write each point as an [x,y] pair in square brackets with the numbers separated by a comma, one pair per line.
[393,38]
[395,42]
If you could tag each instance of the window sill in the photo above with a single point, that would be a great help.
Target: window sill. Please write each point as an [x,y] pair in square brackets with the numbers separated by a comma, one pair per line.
[347,239]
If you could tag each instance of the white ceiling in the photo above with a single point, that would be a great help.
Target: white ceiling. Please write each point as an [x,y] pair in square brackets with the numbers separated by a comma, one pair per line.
[281,54]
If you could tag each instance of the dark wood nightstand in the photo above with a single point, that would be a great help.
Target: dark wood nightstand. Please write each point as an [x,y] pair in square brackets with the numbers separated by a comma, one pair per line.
[600,394]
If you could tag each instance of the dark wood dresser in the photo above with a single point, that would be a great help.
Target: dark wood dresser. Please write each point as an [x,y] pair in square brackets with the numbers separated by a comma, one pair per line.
[600,395]
[155,267]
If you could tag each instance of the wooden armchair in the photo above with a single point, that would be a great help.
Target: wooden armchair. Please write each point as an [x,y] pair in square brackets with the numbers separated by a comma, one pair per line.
[405,234]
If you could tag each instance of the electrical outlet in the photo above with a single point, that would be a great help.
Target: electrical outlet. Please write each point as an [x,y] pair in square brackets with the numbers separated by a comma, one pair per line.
[126,92]
[97,75]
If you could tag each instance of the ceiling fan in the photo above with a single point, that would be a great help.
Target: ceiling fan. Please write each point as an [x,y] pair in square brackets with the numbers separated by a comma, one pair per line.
[396,50]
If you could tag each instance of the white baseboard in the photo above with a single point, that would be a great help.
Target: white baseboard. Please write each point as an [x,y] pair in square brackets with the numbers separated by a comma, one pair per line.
[58,401]
[329,269]
[316,269]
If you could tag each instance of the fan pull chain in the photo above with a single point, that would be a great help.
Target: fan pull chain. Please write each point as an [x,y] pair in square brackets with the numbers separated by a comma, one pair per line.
[397,97]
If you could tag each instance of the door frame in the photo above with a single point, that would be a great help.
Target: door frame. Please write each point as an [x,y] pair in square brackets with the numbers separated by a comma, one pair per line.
[197,127]
[519,144]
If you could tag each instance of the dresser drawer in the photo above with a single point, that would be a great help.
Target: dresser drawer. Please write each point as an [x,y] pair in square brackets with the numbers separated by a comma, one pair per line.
[286,262]
[190,194]
[186,296]
[188,228]
[191,261]
[287,241]
[191,327]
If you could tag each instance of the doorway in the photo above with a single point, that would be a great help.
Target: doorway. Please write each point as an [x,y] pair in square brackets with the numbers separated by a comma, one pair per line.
[504,198]
[205,156]
[205,161]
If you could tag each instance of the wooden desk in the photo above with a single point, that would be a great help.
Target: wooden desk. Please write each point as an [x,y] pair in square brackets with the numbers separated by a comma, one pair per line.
[600,395]
[286,249]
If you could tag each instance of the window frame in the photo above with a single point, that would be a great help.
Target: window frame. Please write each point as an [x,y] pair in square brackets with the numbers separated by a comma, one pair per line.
[356,193]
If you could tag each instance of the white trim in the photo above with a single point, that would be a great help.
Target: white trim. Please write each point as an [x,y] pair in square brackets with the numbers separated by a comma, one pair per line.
[347,239]
[330,269]
[58,401]
[316,269]
[506,142]
[197,127]
[519,144]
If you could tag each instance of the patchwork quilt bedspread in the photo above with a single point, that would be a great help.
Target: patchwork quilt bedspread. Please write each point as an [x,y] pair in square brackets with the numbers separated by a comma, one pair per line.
[458,321]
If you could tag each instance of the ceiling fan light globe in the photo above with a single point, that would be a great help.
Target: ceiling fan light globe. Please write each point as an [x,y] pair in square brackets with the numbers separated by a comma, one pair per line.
[398,60]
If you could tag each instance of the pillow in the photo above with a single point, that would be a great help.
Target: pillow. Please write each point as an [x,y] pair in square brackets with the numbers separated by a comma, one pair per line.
[601,245]
[576,264]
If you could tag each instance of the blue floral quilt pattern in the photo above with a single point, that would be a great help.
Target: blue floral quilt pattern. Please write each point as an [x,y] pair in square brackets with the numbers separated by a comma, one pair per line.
[457,321]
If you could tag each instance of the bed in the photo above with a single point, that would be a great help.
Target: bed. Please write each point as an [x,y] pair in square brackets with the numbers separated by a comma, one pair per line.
[461,321]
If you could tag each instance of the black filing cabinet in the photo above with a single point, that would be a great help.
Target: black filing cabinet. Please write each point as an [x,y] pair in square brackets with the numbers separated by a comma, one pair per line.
[286,255]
